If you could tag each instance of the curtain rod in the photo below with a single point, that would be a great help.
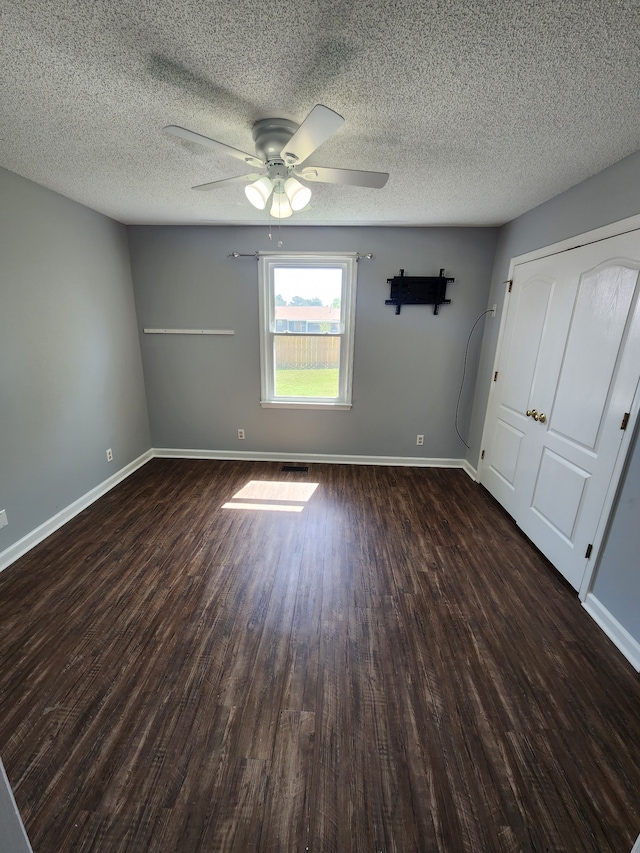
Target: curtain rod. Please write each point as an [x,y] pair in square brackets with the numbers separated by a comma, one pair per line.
[256,255]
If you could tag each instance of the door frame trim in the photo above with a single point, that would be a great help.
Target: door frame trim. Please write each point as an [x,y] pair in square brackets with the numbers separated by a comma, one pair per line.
[613,229]
[604,232]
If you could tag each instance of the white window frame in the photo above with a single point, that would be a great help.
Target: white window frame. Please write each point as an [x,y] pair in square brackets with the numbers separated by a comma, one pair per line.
[267,263]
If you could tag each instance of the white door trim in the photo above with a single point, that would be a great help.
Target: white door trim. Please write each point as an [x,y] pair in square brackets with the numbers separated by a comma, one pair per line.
[603,233]
[603,524]
[613,229]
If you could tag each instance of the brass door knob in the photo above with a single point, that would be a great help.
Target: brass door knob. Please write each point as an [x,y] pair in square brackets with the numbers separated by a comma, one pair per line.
[542,418]
[531,413]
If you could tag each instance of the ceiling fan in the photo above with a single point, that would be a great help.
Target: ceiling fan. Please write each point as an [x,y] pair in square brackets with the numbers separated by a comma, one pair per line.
[282,148]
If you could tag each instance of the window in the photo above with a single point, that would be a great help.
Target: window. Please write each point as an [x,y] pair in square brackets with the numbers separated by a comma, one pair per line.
[307,319]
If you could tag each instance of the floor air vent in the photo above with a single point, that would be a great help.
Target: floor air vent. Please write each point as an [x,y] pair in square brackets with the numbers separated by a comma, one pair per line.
[303,469]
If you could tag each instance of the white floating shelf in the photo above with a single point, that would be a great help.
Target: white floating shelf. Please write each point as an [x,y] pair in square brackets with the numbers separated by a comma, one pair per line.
[189,331]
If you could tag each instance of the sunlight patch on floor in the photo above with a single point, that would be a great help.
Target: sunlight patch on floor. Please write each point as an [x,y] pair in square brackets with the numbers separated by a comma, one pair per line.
[272,496]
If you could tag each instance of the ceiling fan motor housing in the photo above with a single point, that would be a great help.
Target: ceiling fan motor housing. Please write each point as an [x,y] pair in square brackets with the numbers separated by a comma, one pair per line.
[271,136]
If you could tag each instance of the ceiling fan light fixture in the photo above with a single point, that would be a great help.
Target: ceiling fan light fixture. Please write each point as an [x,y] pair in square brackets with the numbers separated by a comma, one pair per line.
[281,208]
[298,195]
[258,193]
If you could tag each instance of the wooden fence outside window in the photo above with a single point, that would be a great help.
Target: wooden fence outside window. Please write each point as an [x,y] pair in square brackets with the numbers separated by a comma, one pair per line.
[304,352]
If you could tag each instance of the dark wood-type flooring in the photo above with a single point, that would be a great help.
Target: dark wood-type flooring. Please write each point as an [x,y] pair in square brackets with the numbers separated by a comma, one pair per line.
[393,668]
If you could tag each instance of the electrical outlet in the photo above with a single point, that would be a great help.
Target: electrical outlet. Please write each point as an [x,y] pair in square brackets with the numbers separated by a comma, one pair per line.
[109,455]
[419,440]
[493,310]
[3,518]
[240,433]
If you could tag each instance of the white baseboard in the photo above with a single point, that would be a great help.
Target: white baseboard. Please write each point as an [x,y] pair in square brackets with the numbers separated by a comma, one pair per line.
[617,633]
[19,548]
[470,470]
[268,456]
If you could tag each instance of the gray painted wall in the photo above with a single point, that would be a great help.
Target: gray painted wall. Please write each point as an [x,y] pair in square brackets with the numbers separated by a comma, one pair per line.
[13,838]
[407,368]
[609,196]
[71,382]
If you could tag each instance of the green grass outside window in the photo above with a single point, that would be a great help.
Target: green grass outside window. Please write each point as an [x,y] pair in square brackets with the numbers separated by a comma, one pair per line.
[321,382]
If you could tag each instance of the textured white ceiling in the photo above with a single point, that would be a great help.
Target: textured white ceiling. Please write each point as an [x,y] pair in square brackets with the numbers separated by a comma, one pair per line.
[478,109]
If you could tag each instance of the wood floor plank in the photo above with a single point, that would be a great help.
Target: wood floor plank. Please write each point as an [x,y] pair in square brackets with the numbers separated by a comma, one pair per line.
[262,700]
[286,818]
[382,663]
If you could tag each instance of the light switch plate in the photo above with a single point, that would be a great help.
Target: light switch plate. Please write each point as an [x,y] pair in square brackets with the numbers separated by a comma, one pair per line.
[3,518]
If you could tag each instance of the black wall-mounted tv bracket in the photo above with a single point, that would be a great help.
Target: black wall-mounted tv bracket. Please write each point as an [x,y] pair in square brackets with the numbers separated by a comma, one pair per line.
[419,290]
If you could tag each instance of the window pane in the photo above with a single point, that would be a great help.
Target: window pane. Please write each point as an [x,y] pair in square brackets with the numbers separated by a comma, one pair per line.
[306,366]
[308,299]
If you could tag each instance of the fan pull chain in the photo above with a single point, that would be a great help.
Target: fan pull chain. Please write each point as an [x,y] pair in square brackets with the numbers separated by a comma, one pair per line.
[280,242]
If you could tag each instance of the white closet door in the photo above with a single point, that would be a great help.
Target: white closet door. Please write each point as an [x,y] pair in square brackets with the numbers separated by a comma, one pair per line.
[570,356]
[538,305]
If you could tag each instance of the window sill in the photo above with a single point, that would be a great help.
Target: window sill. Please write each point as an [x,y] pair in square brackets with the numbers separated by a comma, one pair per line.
[299,404]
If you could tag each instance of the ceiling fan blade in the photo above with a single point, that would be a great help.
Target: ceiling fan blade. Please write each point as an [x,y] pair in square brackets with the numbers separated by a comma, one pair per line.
[240,179]
[319,125]
[190,136]
[352,177]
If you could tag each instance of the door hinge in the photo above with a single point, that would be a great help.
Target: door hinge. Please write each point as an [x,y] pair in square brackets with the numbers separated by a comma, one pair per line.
[495,376]
[510,282]
[625,420]
[588,551]
[482,455]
